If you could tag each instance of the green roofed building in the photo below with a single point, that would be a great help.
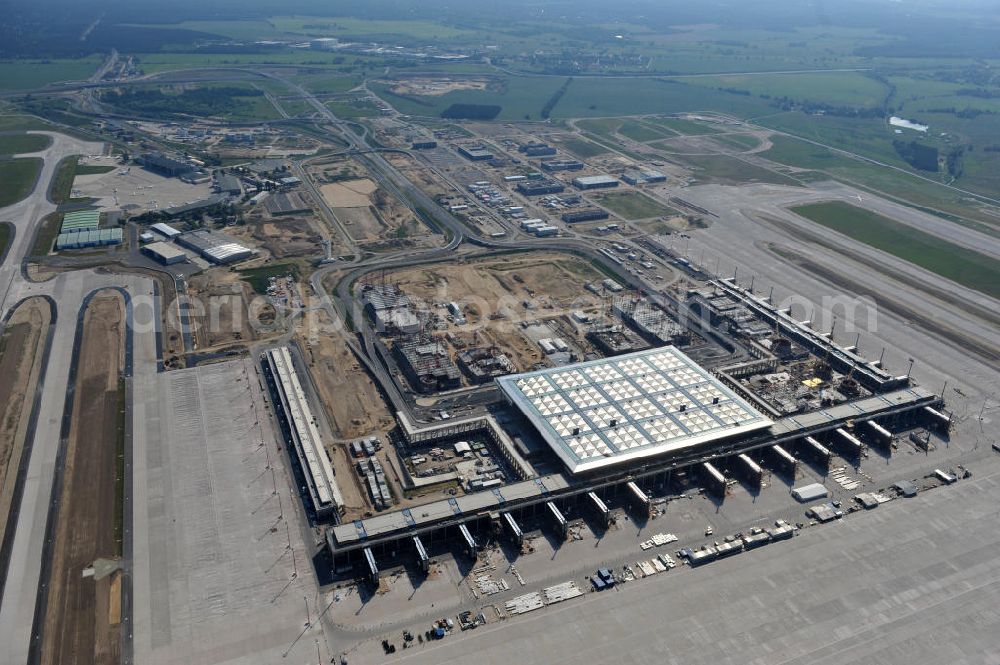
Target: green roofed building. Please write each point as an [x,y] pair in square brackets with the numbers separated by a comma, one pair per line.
[88,238]
[80,220]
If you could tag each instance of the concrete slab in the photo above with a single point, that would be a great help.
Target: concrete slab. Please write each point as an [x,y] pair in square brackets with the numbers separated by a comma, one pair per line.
[223,569]
[884,587]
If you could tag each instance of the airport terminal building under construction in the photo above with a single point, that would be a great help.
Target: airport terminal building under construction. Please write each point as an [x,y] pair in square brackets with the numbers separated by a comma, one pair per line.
[606,429]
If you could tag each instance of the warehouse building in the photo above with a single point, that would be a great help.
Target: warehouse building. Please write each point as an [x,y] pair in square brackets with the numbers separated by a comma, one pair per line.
[91,238]
[176,211]
[214,246]
[587,215]
[552,165]
[228,184]
[423,145]
[643,177]
[476,153]
[164,253]
[540,187]
[527,148]
[538,150]
[595,182]
[165,230]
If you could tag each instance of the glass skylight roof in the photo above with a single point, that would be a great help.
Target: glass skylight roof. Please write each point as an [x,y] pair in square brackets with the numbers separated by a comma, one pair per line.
[609,411]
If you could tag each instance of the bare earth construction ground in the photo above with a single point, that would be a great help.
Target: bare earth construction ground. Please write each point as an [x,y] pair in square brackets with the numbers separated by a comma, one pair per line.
[84,602]
[20,364]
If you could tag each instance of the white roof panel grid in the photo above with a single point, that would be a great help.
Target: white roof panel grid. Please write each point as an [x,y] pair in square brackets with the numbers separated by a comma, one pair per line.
[570,424]
[570,379]
[697,420]
[613,410]
[589,446]
[587,397]
[620,390]
[605,416]
[634,367]
[535,385]
[729,412]
[663,428]
[706,392]
[602,373]
[653,383]
[640,408]
[552,404]
[674,400]
[627,437]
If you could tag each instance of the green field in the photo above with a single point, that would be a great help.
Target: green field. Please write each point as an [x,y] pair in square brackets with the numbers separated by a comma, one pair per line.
[631,205]
[61,187]
[325,84]
[524,97]
[16,144]
[925,195]
[27,74]
[6,233]
[92,169]
[964,266]
[581,147]
[729,170]
[351,110]
[833,88]
[640,131]
[18,177]
[236,101]
[738,141]
[45,236]
[21,123]
[683,126]
[258,278]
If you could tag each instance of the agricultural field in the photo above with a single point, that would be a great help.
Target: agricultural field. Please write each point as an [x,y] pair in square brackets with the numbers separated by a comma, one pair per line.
[964,266]
[16,75]
[854,89]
